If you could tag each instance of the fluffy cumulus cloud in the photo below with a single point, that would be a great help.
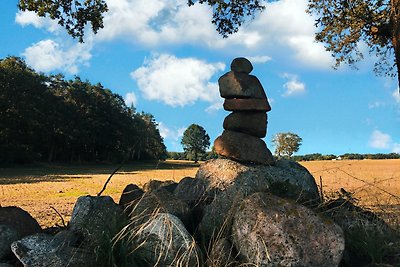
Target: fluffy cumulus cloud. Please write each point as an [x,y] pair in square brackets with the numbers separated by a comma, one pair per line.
[49,55]
[171,134]
[25,18]
[396,96]
[259,59]
[293,86]
[130,99]
[177,81]
[380,140]
[283,24]
[396,148]
[283,28]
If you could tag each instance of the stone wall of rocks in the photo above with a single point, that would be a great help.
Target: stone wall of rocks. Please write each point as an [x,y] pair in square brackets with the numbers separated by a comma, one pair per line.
[230,213]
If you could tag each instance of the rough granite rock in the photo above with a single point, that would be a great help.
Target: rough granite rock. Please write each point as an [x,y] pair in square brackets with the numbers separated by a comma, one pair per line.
[222,253]
[250,104]
[243,147]
[15,223]
[131,193]
[272,231]
[164,241]
[61,250]
[8,235]
[228,182]
[158,201]
[191,190]
[97,218]
[241,64]
[20,220]
[156,184]
[252,123]
[363,230]
[6,265]
[240,85]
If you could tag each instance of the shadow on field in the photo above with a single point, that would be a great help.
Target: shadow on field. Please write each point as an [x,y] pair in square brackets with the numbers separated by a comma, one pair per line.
[63,172]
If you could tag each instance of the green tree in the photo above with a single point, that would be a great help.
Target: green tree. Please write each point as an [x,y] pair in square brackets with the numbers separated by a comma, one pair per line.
[73,15]
[344,24]
[286,144]
[195,141]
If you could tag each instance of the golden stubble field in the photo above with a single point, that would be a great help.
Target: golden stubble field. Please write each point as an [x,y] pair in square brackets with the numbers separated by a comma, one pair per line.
[375,183]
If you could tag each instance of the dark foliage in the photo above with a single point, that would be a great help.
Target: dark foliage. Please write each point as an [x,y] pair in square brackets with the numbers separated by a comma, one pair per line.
[52,119]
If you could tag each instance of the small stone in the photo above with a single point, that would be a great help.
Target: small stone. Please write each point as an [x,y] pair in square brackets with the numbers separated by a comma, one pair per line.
[241,64]
[243,147]
[250,104]
[240,85]
[253,123]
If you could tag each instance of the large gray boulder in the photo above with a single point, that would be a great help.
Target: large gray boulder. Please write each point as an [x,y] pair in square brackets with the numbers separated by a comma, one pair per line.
[191,191]
[286,178]
[8,235]
[222,253]
[228,182]
[98,219]
[368,237]
[164,241]
[272,231]
[61,250]
[15,223]
[158,201]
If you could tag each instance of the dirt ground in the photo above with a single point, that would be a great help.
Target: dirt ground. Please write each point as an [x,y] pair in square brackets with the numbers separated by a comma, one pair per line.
[42,190]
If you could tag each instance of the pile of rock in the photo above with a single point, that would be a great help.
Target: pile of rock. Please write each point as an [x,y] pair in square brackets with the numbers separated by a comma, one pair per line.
[245,97]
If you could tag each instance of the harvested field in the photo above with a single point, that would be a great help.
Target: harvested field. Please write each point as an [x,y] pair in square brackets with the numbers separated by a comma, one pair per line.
[38,189]
[373,183]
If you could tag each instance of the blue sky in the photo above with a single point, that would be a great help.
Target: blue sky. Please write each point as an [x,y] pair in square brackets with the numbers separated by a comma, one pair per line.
[166,58]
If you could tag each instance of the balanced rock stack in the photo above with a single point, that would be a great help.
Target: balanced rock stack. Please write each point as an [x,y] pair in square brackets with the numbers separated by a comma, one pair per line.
[247,124]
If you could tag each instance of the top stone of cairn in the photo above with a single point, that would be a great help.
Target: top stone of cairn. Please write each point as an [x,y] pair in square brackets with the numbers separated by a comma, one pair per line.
[241,64]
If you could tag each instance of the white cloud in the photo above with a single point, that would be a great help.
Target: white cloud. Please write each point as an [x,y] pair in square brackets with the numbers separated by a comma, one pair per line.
[380,140]
[130,99]
[48,55]
[177,81]
[376,104]
[396,95]
[259,59]
[25,18]
[293,86]
[283,26]
[396,148]
[172,134]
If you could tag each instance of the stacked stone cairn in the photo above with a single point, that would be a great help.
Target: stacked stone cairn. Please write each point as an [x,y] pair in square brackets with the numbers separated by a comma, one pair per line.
[247,124]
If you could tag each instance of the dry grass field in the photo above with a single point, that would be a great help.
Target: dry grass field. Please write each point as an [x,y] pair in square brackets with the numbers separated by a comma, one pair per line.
[38,189]
[375,183]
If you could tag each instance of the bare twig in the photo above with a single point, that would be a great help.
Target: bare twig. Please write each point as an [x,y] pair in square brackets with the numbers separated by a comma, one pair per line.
[321,189]
[108,180]
[59,214]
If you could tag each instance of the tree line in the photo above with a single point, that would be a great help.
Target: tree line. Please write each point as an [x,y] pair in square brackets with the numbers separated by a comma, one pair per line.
[49,118]
[355,156]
